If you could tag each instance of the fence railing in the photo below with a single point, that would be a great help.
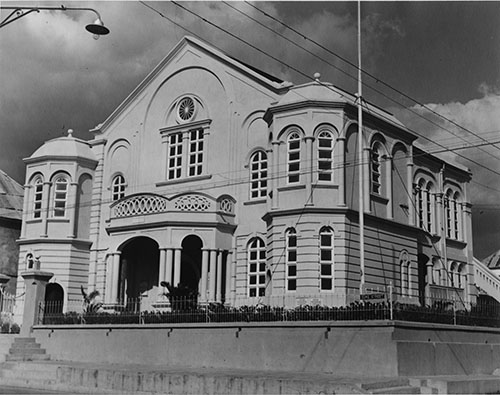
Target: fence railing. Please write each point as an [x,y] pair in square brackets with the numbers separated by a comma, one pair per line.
[381,306]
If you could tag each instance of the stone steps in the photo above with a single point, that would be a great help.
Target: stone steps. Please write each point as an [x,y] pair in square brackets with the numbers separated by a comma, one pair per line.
[26,349]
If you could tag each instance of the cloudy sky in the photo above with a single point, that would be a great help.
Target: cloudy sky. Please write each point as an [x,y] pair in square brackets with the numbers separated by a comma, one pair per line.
[443,55]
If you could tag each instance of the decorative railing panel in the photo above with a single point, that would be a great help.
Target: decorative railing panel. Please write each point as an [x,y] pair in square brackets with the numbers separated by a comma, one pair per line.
[140,205]
[192,203]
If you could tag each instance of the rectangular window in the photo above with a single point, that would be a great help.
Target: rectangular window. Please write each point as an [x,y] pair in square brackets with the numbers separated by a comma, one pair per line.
[195,152]
[174,159]
[293,158]
[326,259]
[37,201]
[256,268]
[60,194]
[291,261]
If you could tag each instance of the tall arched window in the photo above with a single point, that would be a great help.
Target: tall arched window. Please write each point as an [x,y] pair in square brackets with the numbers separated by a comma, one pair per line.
[37,197]
[453,274]
[326,259]
[437,272]
[291,260]
[404,264]
[456,215]
[448,212]
[325,156]
[293,158]
[461,276]
[376,168]
[425,205]
[258,175]
[256,267]
[60,196]
[118,187]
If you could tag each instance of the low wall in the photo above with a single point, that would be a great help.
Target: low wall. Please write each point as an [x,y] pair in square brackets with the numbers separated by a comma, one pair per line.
[356,349]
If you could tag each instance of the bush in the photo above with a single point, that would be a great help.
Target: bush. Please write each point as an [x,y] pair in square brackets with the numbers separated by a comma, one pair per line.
[15,328]
[5,327]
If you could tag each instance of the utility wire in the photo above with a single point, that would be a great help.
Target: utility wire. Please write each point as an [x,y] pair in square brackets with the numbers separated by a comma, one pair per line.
[378,80]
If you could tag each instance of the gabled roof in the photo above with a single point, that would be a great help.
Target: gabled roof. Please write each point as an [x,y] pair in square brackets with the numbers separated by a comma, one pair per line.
[270,82]
[11,198]
[493,261]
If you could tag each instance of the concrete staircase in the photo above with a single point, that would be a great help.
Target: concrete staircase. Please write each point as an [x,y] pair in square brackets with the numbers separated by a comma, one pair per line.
[6,341]
[26,349]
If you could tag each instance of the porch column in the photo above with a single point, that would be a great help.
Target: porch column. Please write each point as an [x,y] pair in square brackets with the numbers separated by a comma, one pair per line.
[229,276]
[204,274]
[309,172]
[168,265]
[162,270]
[71,207]
[45,207]
[213,269]
[219,275]
[115,277]
[430,281]
[339,169]
[177,267]
[109,277]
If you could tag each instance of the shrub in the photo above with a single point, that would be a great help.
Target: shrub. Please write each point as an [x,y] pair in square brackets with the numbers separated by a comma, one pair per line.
[15,328]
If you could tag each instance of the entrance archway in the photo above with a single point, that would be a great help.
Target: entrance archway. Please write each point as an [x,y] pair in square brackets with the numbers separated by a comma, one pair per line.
[139,266]
[191,262]
[54,298]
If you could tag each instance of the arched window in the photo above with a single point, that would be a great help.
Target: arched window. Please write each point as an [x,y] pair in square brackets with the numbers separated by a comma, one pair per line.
[456,215]
[174,158]
[325,156]
[425,205]
[461,276]
[293,158]
[291,260]
[452,275]
[376,168]
[448,212]
[37,197]
[60,196]
[404,264]
[436,271]
[256,267]
[118,187]
[258,175]
[326,259]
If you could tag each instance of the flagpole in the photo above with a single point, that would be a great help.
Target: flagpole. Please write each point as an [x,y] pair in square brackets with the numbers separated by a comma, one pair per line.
[361,164]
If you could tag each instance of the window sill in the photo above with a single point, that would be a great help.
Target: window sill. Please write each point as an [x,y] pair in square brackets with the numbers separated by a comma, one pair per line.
[183,180]
[33,220]
[256,201]
[54,219]
[379,198]
[325,185]
[291,187]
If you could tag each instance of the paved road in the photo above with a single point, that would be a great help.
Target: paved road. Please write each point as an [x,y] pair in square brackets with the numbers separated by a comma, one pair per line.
[22,390]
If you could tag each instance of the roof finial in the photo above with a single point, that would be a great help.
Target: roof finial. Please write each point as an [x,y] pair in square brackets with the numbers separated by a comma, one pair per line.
[70,132]
[317,76]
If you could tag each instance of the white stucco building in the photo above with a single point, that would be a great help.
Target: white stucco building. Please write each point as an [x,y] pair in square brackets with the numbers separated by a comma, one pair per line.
[240,186]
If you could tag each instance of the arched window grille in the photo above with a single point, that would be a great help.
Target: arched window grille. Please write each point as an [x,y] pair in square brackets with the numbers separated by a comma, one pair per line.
[326,259]
[293,160]
[60,196]
[376,172]
[456,216]
[291,260]
[425,205]
[38,198]
[325,156]
[256,267]
[437,272]
[405,271]
[429,209]
[258,175]
[448,212]
[118,187]
[453,274]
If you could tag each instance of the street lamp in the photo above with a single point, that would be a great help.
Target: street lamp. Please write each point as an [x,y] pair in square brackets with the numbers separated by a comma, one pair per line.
[97,28]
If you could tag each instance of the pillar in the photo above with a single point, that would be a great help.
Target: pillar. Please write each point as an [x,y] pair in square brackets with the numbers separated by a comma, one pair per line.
[309,170]
[409,187]
[35,283]
[204,274]
[169,265]
[177,267]
[71,207]
[219,276]
[275,174]
[45,207]
[26,202]
[115,277]
[429,283]
[109,277]
[365,166]
[229,277]
[339,169]
[213,269]
[162,270]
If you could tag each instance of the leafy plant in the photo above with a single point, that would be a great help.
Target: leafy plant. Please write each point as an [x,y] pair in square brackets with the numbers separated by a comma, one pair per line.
[91,302]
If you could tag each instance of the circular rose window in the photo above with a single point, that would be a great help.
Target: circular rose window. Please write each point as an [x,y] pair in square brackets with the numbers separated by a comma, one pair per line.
[186,109]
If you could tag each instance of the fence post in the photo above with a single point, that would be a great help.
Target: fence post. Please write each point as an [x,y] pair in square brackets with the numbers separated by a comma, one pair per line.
[35,281]
[454,314]
[390,301]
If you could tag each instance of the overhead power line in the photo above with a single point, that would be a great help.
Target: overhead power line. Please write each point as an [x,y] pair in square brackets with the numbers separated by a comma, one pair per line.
[378,80]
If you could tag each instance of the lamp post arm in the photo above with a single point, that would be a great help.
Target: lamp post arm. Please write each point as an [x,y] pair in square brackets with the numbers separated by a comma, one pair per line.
[20,12]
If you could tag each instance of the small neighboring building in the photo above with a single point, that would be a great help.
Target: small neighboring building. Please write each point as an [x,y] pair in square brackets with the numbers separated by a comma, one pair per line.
[244,188]
[11,208]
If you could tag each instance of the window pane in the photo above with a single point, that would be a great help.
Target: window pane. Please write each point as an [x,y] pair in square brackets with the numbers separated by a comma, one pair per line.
[292,270]
[292,285]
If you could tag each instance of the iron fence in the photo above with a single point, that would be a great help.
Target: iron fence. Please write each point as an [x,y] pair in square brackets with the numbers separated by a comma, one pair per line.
[374,305]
